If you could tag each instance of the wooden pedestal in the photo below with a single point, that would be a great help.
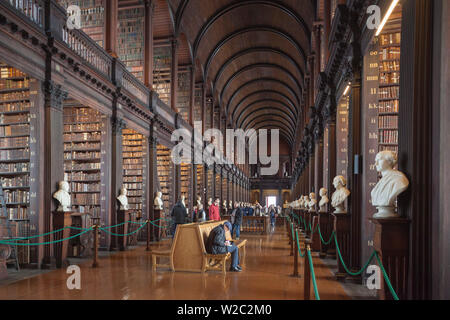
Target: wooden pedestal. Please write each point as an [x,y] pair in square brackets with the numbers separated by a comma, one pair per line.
[122,216]
[326,230]
[307,216]
[391,241]
[315,237]
[132,240]
[342,231]
[60,249]
[155,232]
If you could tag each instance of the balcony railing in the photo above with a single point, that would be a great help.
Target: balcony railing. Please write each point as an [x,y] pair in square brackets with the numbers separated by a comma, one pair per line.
[88,50]
[33,9]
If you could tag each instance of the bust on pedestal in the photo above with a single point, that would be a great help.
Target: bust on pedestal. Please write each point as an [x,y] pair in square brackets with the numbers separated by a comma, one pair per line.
[392,183]
[324,200]
[340,195]
[122,218]
[341,224]
[62,219]
[199,201]
[312,203]
[158,205]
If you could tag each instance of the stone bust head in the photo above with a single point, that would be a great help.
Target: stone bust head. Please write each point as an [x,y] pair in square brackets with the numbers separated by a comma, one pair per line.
[123,199]
[158,203]
[324,200]
[392,183]
[340,195]
[63,197]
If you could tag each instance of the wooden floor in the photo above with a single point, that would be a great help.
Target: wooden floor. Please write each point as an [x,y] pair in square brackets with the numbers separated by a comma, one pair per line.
[128,275]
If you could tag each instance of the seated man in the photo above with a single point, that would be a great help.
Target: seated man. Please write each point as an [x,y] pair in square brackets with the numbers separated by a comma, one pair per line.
[217,244]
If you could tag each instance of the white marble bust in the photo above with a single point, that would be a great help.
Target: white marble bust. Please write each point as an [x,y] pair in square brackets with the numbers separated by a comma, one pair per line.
[312,203]
[199,201]
[300,202]
[340,195]
[158,203]
[392,183]
[63,197]
[305,202]
[183,201]
[324,200]
[123,199]
[231,204]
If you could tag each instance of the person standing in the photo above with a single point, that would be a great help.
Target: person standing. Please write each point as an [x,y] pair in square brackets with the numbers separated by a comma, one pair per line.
[178,214]
[201,214]
[236,220]
[214,214]
[272,213]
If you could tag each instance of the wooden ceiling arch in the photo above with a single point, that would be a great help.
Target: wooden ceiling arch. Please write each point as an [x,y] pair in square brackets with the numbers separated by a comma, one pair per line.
[273,119]
[264,107]
[273,126]
[278,115]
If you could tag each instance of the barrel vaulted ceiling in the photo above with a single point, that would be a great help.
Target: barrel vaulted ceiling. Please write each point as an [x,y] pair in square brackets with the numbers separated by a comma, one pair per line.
[252,55]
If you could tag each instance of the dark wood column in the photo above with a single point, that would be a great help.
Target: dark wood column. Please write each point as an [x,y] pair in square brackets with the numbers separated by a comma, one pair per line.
[326,27]
[152,179]
[318,167]
[111,26]
[416,140]
[174,76]
[355,149]
[116,172]
[192,100]
[148,43]
[53,158]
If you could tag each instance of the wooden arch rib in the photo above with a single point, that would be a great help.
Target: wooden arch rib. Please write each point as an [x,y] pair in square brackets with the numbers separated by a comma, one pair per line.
[270,125]
[266,107]
[289,103]
[260,65]
[263,80]
[241,3]
[262,28]
[253,50]
[274,119]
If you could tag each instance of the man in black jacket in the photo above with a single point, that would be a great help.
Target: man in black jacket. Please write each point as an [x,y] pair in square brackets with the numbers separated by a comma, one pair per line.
[179,215]
[217,244]
[236,219]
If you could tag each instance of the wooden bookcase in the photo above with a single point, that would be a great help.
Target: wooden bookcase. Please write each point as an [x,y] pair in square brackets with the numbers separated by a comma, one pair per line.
[165,169]
[130,40]
[162,59]
[186,182]
[92,17]
[184,94]
[218,187]
[224,190]
[342,137]
[198,104]
[209,187]
[134,170]
[18,174]
[199,189]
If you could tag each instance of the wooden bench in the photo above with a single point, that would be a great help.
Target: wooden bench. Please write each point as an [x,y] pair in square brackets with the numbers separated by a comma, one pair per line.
[188,250]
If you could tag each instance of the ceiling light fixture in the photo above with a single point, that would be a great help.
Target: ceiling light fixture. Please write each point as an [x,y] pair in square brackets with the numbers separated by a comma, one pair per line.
[386,17]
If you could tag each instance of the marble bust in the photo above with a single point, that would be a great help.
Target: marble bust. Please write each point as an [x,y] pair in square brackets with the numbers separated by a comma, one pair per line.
[324,200]
[63,197]
[305,202]
[312,203]
[299,203]
[158,203]
[392,183]
[199,201]
[123,199]
[224,205]
[183,201]
[231,204]
[340,195]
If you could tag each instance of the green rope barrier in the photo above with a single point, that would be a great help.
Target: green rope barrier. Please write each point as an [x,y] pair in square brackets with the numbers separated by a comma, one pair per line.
[45,243]
[123,235]
[313,274]
[343,263]
[323,241]
[42,235]
[386,278]
[298,246]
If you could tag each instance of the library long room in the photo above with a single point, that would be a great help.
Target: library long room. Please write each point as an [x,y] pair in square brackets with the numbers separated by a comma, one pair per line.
[224,150]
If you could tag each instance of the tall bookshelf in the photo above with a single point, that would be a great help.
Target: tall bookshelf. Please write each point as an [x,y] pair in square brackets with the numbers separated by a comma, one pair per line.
[162,58]
[225,190]
[134,155]
[218,187]
[92,17]
[165,176]
[209,188]
[183,93]
[389,90]
[17,160]
[82,158]
[185,183]
[198,104]
[130,40]
[342,137]
[200,186]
